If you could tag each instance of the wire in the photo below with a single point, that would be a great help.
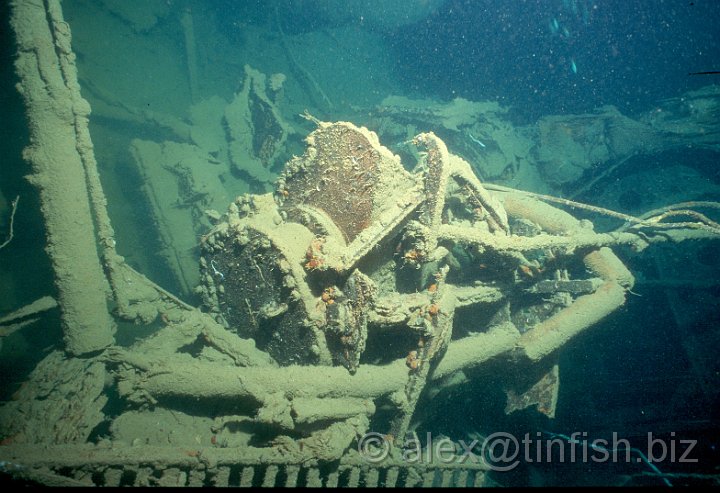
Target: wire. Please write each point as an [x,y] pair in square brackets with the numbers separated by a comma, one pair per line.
[12,222]
[595,446]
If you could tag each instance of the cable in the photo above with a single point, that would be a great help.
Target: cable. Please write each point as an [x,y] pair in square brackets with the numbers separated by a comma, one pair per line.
[594,446]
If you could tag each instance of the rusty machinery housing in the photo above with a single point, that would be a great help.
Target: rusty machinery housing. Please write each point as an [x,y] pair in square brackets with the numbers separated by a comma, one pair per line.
[353,261]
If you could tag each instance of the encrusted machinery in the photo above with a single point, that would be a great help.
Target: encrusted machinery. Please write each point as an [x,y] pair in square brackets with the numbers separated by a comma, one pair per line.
[355,262]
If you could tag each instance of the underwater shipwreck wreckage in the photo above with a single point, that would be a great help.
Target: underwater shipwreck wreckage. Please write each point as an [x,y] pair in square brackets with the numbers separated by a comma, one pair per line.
[336,305]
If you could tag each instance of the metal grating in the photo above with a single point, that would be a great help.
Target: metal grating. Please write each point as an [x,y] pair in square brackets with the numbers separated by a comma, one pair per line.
[89,466]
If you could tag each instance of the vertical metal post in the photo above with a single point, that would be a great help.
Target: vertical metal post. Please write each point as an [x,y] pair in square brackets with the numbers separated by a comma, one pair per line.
[59,142]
